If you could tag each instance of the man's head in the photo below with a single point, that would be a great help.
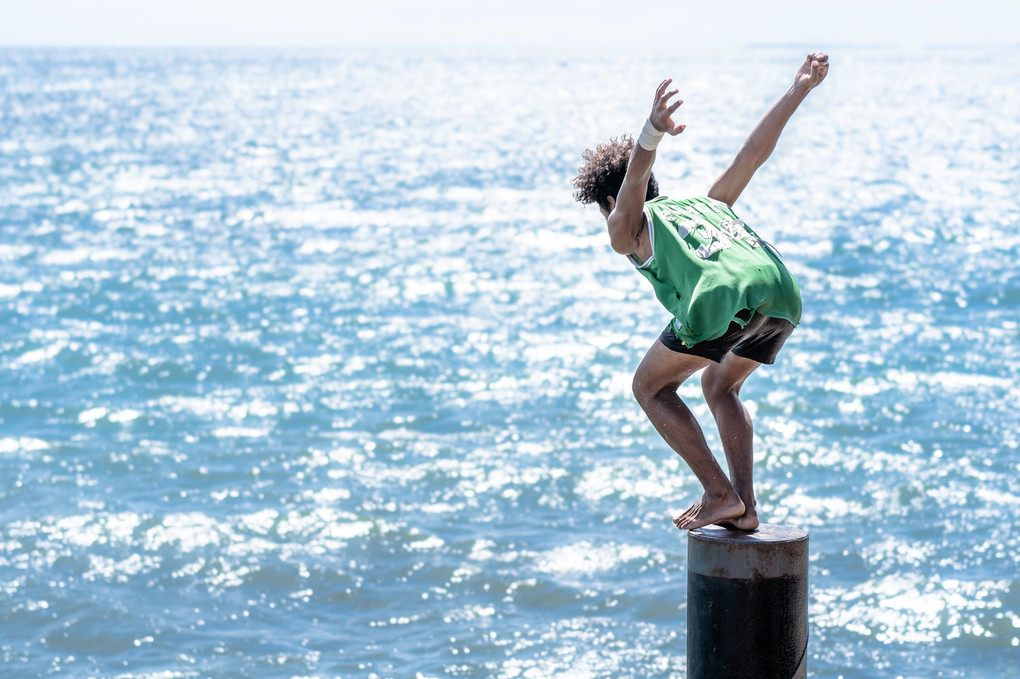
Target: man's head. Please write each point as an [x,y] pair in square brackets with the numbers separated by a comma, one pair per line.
[601,173]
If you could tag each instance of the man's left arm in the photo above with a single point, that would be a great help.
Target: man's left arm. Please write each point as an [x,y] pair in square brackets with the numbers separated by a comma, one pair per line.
[626,218]
[763,138]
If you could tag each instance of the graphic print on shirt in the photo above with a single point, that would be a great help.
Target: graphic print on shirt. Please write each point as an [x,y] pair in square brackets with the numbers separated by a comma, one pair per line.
[712,239]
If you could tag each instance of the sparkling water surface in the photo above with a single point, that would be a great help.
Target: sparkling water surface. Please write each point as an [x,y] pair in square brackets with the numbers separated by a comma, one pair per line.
[310,365]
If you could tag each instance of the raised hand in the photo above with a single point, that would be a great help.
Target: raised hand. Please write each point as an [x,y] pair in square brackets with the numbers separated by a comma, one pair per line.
[661,116]
[813,71]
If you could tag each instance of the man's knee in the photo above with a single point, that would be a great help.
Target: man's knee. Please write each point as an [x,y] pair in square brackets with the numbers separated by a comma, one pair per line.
[717,390]
[644,390]
[721,382]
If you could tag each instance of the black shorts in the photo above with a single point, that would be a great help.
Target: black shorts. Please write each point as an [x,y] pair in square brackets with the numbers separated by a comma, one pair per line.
[760,340]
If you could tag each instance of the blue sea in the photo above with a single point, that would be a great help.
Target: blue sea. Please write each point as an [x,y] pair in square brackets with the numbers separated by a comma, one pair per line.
[310,366]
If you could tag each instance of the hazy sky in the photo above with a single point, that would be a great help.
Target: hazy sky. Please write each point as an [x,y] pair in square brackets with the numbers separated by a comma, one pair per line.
[513,23]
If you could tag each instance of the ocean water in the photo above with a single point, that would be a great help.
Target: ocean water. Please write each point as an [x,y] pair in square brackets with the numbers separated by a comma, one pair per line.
[311,367]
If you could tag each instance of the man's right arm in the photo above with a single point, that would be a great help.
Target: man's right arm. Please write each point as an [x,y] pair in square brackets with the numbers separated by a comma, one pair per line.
[762,140]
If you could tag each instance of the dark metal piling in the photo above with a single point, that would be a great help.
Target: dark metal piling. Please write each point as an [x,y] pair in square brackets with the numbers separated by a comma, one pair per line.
[747,596]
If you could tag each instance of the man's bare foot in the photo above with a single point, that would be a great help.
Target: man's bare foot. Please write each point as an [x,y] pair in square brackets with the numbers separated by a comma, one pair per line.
[749,521]
[711,509]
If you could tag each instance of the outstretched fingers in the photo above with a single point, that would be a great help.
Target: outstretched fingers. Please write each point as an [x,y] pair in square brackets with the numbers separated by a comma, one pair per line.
[662,100]
[674,129]
[662,88]
[663,110]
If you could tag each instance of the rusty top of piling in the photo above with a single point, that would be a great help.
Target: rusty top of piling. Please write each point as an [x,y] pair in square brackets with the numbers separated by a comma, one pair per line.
[772,551]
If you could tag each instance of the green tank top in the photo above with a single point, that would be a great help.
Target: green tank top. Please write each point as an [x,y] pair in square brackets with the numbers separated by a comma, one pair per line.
[707,265]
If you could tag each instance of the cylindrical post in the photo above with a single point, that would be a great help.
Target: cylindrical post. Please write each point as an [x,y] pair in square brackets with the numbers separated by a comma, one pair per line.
[747,597]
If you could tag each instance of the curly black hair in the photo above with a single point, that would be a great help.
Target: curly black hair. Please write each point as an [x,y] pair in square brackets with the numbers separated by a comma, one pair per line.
[601,172]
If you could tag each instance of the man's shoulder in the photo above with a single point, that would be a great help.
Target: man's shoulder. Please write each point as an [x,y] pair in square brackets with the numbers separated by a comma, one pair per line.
[686,201]
[661,205]
[693,205]
[667,207]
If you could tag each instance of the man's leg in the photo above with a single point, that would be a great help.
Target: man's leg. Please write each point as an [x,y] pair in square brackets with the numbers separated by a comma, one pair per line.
[721,383]
[656,381]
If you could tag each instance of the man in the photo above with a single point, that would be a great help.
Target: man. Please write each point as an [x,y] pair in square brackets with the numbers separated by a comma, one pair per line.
[733,301]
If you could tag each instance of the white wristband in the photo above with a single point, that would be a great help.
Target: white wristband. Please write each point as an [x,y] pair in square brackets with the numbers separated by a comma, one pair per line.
[649,137]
